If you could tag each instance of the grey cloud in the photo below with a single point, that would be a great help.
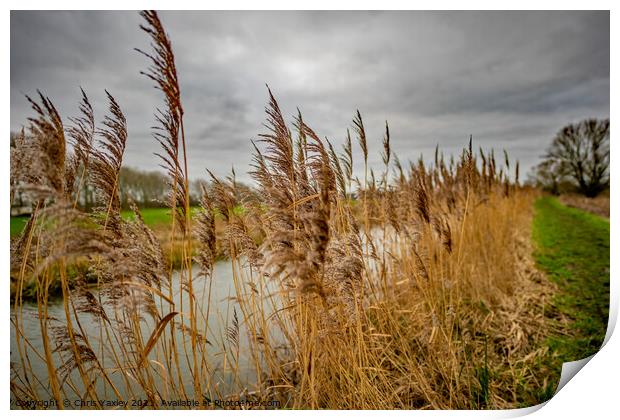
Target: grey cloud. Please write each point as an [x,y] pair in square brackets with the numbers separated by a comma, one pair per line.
[511,79]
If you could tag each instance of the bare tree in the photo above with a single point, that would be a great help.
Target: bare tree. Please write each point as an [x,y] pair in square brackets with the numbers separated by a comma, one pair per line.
[550,176]
[147,188]
[581,151]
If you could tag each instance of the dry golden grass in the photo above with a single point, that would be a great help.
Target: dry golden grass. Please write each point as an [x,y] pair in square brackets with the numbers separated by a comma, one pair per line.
[598,205]
[419,293]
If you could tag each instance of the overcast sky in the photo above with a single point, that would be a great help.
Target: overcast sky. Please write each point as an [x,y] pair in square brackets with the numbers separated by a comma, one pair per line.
[511,79]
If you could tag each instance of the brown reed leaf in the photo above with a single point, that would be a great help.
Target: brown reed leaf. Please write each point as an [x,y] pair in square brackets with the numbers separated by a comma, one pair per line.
[150,344]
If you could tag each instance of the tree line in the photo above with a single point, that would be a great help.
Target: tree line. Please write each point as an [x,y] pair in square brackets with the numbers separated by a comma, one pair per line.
[577,160]
[144,188]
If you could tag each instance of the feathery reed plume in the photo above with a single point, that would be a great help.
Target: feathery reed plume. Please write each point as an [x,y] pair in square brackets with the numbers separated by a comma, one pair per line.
[470,165]
[484,167]
[146,248]
[72,164]
[232,332]
[69,235]
[420,266]
[373,183]
[302,147]
[392,215]
[347,159]
[279,145]
[163,68]
[86,302]
[170,127]
[232,335]
[82,131]
[205,232]
[361,134]
[43,154]
[442,228]
[337,168]
[517,174]
[422,200]
[223,197]
[170,120]
[261,172]
[387,152]
[273,170]
[298,230]
[237,237]
[400,171]
[106,165]
[319,221]
[344,267]
[492,167]
[319,163]
[133,269]
[81,135]
[237,233]
[68,344]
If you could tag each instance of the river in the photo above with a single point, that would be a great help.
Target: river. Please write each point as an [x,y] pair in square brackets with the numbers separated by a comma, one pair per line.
[223,304]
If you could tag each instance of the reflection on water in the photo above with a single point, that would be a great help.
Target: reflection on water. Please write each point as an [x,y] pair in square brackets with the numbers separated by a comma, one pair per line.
[220,309]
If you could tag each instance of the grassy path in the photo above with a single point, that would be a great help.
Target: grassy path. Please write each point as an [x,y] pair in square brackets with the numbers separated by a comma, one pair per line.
[572,247]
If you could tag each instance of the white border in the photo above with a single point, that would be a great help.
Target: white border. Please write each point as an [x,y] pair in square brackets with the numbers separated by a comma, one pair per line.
[592,394]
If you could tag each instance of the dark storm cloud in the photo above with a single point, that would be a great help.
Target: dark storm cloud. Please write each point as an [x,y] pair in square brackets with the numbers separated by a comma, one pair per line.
[511,79]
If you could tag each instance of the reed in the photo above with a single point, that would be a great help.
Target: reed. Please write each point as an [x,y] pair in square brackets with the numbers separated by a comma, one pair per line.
[416,291]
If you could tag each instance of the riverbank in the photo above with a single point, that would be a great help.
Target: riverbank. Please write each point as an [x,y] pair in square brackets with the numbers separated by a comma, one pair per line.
[157,219]
[572,248]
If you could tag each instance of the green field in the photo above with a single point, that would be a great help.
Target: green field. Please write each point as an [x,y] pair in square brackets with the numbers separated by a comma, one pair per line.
[152,217]
[572,247]
[17,224]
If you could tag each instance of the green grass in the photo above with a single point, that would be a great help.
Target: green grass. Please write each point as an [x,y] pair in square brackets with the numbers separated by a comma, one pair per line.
[152,217]
[572,247]
[162,216]
[17,224]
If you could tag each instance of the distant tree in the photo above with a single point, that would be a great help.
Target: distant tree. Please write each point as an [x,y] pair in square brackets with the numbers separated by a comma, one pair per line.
[147,189]
[18,199]
[195,190]
[550,176]
[581,152]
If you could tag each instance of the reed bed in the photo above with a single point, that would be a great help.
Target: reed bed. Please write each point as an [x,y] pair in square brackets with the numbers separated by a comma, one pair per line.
[411,287]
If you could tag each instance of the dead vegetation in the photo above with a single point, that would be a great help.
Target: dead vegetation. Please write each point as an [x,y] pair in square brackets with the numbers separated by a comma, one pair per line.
[598,205]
